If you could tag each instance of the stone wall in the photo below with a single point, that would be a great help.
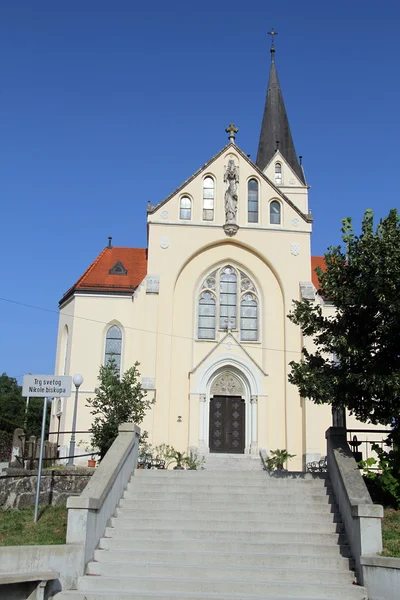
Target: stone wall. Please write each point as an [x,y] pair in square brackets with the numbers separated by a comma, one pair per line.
[18,486]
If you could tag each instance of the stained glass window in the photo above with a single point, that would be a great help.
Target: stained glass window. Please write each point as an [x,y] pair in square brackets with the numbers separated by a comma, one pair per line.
[113,346]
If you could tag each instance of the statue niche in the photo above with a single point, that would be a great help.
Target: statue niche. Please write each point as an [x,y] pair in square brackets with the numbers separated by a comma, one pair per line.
[231,177]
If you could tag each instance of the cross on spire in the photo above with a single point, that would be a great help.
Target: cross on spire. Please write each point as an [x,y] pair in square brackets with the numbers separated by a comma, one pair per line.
[272,33]
[231,130]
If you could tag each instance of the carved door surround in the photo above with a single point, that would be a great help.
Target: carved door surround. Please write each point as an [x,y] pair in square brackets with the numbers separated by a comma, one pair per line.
[232,385]
[227,384]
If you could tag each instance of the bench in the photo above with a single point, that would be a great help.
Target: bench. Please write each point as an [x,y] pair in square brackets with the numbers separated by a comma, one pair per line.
[317,466]
[42,577]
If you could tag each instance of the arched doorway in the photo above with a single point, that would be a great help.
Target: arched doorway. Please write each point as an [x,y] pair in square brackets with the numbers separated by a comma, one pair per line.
[227,415]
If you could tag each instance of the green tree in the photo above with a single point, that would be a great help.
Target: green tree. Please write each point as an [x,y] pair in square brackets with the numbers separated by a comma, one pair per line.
[356,360]
[12,404]
[117,400]
[13,409]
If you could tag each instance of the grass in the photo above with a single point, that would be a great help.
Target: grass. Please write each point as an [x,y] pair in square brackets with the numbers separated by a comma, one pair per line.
[17,527]
[391,533]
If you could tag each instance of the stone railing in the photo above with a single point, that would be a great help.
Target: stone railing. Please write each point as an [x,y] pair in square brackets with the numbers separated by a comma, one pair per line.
[361,518]
[88,514]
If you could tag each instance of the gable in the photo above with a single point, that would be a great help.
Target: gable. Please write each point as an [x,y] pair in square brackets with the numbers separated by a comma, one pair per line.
[289,177]
[168,209]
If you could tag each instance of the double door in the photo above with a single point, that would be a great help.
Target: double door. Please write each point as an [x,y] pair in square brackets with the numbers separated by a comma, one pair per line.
[227,424]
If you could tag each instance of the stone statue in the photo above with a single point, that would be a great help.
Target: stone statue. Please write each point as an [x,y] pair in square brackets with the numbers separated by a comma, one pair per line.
[231,196]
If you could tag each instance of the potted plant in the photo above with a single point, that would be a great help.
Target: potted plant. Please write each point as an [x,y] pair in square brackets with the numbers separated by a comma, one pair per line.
[91,461]
[179,458]
[193,461]
[164,455]
[277,459]
[89,450]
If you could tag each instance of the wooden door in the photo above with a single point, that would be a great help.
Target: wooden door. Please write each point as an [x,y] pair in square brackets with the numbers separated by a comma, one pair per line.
[227,424]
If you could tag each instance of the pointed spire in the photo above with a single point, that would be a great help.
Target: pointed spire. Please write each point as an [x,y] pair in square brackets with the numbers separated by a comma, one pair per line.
[275,130]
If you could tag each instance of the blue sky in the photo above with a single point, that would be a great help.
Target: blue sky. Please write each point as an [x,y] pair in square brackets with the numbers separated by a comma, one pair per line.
[106,105]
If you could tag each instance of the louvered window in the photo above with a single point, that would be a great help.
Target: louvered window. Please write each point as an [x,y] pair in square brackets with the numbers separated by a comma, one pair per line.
[278,173]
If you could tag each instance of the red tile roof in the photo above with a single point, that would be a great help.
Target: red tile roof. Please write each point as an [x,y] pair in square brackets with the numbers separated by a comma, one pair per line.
[317,261]
[98,279]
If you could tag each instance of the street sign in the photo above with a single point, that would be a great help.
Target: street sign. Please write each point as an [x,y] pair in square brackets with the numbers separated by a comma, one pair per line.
[53,386]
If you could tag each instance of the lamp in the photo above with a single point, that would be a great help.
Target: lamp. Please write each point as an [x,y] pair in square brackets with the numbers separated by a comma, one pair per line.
[78,380]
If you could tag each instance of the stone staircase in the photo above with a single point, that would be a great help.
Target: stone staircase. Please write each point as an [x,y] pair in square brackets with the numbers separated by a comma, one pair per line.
[231,535]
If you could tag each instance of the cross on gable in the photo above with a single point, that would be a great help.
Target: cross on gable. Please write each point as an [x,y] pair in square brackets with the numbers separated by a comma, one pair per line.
[231,130]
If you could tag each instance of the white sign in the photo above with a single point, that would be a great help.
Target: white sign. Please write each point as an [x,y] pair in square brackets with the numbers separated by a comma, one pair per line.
[54,386]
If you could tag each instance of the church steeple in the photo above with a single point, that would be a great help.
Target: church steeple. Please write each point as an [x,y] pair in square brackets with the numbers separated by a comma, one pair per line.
[275,130]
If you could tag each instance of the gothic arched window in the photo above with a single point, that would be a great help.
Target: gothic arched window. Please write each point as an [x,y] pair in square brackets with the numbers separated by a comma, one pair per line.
[252,198]
[185,208]
[278,173]
[226,293]
[113,346]
[275,212]
[206,316]
[248,318]
[208,199]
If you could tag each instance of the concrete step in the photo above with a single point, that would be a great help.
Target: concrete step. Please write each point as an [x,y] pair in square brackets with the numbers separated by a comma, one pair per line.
[280,544]
[276,534]
[262,523]
[224,573]
[228,517]
[237,462]
[234,588]
[76,595]
[232,484]
[280,558]
[195,498]
[226,482]
[170,473]
[272,477]
[245,510]
[220,498]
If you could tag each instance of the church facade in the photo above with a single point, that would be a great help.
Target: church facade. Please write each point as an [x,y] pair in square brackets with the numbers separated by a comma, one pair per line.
[204,307]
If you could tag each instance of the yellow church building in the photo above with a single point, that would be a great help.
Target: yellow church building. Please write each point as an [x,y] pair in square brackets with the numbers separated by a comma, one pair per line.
[204,307]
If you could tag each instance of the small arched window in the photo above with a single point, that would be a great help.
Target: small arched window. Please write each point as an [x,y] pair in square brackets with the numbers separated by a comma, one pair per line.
[252,197]
[275,213]
[206,316]
[278,173]
[248,318]
[208,199]
[185,208]
[113,346]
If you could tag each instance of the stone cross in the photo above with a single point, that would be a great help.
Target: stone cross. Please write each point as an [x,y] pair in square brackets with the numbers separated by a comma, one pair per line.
[231,130]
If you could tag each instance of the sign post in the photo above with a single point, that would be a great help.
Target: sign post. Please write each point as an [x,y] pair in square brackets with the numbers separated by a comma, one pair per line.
[47,387]
[39,475]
